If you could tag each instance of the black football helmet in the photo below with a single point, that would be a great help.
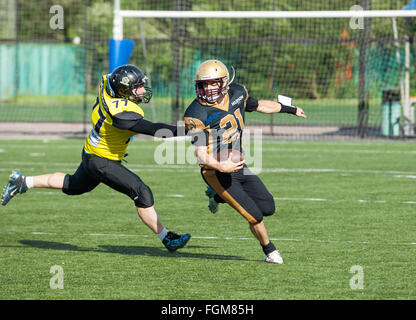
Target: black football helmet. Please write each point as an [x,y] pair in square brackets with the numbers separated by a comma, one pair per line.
[124,79]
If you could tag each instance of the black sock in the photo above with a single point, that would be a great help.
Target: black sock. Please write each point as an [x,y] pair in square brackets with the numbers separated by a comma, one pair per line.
[268,248]
[218,199]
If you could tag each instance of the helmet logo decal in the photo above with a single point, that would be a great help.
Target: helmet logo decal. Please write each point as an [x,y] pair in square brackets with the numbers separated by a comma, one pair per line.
[125,81]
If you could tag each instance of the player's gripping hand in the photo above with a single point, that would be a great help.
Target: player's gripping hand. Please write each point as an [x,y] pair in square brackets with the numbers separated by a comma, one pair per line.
[229,165]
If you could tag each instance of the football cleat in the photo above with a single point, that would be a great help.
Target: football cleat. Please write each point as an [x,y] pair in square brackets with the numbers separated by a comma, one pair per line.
[174,241]
[274,257]
[15,185]
[212,204]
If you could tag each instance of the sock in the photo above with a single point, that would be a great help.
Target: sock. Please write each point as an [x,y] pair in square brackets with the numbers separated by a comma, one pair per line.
[218,199]
[29,182]
[268,248]
[162,234]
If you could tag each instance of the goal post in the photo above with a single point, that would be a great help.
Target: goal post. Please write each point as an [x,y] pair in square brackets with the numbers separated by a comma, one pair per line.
[332,41]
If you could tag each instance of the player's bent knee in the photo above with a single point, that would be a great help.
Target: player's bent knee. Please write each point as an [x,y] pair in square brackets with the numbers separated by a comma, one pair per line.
[144,197]
[253,215]
[268,207]
[255,221]
[70,187]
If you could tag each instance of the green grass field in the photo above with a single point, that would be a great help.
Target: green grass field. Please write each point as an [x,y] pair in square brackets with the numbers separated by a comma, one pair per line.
[339,205]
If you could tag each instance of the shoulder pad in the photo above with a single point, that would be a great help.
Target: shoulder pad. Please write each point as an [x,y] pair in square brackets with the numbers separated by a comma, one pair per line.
[238,88]
[119,105]
[194,117]
[196,110]
[128,115]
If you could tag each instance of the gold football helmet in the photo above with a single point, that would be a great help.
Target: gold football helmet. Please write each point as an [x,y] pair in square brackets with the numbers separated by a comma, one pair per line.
[212,70]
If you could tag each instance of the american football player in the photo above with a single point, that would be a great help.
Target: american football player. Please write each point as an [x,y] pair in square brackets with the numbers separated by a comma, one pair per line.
[116,118]
[215,119]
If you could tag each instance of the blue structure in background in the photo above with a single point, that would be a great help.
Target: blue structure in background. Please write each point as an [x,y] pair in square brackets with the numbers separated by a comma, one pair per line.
[119,53]
[411,5]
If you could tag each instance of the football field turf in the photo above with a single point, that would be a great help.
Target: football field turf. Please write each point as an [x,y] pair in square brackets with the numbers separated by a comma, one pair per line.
[344,225]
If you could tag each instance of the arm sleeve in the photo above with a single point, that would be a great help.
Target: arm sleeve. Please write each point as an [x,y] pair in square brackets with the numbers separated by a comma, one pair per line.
[126,120]
[160,130]
[251,104]
[137,124]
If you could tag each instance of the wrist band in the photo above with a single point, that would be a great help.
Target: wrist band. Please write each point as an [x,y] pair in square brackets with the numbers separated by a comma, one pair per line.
[288,109]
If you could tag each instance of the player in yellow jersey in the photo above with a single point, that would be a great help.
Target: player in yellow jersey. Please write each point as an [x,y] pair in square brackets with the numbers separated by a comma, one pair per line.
[116,117]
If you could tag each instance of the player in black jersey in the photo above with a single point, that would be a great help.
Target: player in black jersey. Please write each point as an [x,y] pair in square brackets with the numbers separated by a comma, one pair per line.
[215,119]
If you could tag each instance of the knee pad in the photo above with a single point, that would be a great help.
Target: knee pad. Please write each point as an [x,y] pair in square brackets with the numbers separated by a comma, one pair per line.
[268,206]
[72,186]
[144,197]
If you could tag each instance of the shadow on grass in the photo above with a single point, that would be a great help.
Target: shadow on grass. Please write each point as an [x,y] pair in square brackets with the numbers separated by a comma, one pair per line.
[128,250]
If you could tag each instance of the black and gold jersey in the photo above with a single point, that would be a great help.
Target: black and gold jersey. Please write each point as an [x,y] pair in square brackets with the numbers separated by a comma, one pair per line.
[219,127]
[106,140]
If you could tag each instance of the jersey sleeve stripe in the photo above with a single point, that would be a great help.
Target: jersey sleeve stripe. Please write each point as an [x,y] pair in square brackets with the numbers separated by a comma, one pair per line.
[100,121]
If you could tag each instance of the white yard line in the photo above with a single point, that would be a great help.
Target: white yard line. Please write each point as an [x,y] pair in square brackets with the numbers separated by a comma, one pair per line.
[136,146]
[343,200]
[335,150]
[8,166]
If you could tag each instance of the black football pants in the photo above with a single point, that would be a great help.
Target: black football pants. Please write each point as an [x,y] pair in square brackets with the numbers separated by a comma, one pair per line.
[94,170]
[242,190]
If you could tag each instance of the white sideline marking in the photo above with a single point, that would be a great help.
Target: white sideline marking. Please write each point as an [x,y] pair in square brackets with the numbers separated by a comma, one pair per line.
[339,150]
[324,170]
[219,238]
[301,199]
[280,149]
[195,168]
[48,233]
[342,200]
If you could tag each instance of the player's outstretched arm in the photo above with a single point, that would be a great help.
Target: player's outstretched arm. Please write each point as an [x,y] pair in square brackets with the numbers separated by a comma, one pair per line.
[158,129]
[268,106]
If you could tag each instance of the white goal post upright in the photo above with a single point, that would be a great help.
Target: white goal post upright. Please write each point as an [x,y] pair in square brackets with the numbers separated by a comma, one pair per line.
[117,21]
[354,14]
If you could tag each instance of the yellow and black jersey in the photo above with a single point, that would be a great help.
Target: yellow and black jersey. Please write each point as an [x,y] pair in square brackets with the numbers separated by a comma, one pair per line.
[219,127]
[105,139]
